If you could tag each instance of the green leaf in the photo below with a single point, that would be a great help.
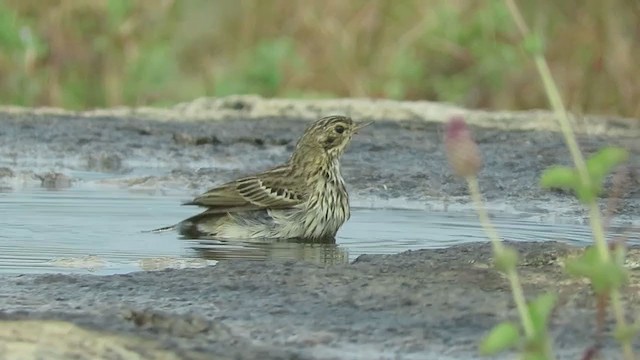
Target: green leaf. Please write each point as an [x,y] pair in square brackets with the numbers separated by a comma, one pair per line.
[587,194]
[610,275]
[503,336]
[600,164]
[506,259]
[626,333]
[604,275]
[539,309]
[559,177]
[584,264]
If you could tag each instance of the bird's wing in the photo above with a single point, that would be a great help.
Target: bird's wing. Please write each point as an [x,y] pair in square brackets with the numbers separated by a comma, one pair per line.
[271,189]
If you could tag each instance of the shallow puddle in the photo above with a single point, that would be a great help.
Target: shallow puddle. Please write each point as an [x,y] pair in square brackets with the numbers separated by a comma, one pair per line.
[94,229]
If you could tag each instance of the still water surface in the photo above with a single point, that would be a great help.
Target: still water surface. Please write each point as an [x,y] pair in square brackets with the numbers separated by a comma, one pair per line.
[99,230]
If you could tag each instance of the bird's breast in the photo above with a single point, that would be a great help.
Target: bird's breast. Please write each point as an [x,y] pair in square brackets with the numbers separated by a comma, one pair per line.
[328,205]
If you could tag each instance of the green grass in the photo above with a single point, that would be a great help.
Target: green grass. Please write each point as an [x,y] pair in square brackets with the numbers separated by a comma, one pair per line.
[83,54]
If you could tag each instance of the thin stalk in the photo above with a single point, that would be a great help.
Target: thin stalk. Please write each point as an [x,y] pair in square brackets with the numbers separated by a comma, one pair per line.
[616,302]
[552,93]
[554,97]
[498,247]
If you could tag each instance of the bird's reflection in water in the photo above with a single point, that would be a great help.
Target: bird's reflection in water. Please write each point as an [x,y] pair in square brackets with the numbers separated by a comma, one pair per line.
[326,252]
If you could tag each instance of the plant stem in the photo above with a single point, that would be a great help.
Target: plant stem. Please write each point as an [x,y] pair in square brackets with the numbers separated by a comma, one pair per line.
[595,219]
[553,95]
[616,302]
[597,229]
[498,247]
[618,312]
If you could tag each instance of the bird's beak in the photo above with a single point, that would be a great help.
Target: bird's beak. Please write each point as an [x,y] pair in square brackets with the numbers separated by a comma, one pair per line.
[361,125]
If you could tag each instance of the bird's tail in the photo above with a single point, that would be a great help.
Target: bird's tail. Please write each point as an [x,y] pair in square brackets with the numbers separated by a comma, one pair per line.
[162,229]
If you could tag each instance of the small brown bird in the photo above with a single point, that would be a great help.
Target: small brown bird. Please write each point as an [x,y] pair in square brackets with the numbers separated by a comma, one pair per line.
[305,198]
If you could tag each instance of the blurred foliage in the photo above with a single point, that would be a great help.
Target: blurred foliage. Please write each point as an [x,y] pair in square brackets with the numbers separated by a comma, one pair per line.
[83,54]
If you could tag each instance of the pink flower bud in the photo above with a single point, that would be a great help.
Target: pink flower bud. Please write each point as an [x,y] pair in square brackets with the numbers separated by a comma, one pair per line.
[462,152]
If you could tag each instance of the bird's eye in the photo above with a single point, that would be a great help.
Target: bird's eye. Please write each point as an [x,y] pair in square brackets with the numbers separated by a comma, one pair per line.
[339,129]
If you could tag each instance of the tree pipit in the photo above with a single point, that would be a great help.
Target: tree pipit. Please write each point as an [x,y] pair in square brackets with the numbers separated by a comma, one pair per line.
[304,198]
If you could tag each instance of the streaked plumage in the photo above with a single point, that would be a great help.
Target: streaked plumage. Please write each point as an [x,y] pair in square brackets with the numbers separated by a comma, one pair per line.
[305,198]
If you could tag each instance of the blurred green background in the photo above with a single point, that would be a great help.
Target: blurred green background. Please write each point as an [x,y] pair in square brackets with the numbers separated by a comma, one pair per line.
[96,53]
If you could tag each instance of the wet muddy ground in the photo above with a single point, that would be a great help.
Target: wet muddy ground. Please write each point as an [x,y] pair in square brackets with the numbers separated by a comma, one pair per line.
[427,304]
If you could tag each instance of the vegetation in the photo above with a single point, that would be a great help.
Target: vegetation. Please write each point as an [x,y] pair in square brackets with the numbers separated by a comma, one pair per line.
[602,264]
[82,54]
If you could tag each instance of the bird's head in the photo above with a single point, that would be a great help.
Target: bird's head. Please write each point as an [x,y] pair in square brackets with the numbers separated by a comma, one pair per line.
[329,136]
